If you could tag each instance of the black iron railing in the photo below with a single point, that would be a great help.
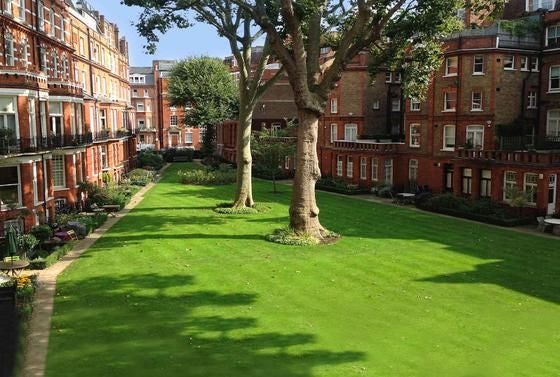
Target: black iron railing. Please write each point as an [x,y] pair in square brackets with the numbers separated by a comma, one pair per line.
[12,145]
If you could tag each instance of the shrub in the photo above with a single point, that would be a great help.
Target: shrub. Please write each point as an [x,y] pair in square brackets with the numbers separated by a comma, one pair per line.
[140,177]
[286,236]
[42,232]
[384,190]
[339,185]
[173,154]
[223,176]
[149,159]
[27,242]
[227,209]
[38,264]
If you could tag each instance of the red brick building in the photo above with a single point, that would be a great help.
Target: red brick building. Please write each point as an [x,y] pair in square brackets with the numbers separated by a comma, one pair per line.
[57,128]
[490,122]
[160,125]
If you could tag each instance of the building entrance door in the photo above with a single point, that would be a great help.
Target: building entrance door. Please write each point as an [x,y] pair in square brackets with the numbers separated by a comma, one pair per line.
[174,140]
[552,184]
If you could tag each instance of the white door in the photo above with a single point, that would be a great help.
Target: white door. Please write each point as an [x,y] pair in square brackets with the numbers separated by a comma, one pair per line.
[552,184]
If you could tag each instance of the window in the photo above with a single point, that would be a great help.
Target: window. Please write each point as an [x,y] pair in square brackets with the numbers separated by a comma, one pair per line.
[530,187]
[287,162]
[41,16]
[467,181]
[54,64]
[553,35]
[173,120]
[510,184]
[475,136]
[476,101]
[374,169]
[449,138]
[553,123]
[51,19]
[188,138]
[8,117]
[478,65]
[103,153]
[388,77]
[334,106]
[10,58]
[25,53]
[103,119]
[134,92]
[350,132]
[44,60]
[55,112]
[339,166]
[413,170]
[554,79]
[349,167]
[534,64]
[451,65]
[533,5]
[62,29]
[140,107]
[141,123]
[82,47]
[275,129]
[524,63]
[532,99]
[509,62]
[415,135]
[9,187]
[398,77]
[58,171]
[396,104]
[363,168]
[485,183]
[449,101]
[334,132]
[21,9]
[414,105]
[376,105]
[388,176]
[32,120]
[8,6]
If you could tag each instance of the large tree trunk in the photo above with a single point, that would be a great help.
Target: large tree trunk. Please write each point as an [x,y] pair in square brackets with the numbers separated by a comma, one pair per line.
[304,213]
[244,192]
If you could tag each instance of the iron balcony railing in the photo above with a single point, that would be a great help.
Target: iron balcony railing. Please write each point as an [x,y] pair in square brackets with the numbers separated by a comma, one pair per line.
[12,145]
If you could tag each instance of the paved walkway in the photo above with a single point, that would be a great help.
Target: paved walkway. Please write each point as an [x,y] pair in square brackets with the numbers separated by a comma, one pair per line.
[40,324]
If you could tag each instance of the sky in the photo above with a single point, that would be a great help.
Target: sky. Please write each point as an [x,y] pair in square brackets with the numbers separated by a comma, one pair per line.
[176,44]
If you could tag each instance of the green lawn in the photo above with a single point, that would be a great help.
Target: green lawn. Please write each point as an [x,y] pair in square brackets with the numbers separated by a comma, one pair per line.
[177,290]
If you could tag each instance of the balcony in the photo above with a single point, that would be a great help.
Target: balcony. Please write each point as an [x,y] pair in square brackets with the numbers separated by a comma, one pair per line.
[544,158]
[516,143]
[112,135]
[12,146]
[368,145]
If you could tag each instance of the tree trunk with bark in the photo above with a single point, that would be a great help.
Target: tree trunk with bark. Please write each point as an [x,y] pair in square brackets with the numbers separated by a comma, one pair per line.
[304,213]
[244,191]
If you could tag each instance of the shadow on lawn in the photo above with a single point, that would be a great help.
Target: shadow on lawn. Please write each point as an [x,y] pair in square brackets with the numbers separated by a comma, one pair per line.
[146,325]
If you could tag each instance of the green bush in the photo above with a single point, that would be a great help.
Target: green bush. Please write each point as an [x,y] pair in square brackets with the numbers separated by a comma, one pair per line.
[227,209]
[140,177]
[172,154]
[223,176]
[339,185]
[38,264]
[42,232]
[149,159]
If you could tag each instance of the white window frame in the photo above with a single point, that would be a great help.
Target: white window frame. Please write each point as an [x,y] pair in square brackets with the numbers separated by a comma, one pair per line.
[350,166]
[446,100]
[485,183]
[412,170]
[553,123]
[10,50]
[451,62]
[532,99]
[374,169]
[388,171]
[473,133]
[188,137]
[334,132]
[173,121]
[530,188]
[334,105]
[479,64]
[446,130]
[534,64]
[363,168]
[9,112]
[396,104]
[479,104]
[339,166]
[350,132]
[555,78]
[388,77]
[538,4]
[509,62]
[509,183]
[524,63]
[414,135]
[415,105]
[140,107]
[59,171]
[376,105]
[466,181]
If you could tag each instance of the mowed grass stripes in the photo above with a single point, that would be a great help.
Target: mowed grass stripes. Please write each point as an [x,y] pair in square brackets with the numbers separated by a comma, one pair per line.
[175,289]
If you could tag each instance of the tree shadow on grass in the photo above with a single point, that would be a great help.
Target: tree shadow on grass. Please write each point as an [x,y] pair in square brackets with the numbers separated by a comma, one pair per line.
[151,325]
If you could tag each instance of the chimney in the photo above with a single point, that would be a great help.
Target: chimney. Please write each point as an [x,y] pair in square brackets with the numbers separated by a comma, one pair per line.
[116,35]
